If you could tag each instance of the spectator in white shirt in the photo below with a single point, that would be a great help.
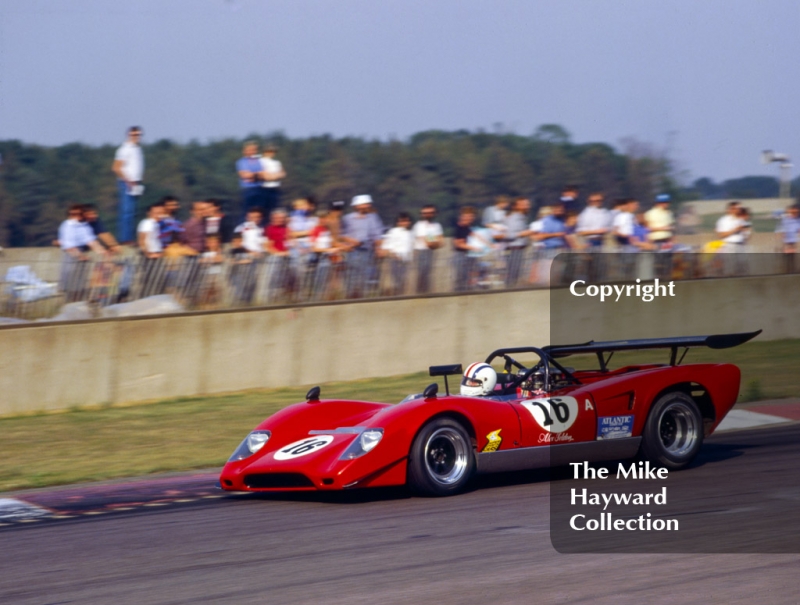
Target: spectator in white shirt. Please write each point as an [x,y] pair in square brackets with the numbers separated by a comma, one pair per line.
[75,237]
[398,244]
[594,222]
[624,224]
[272,174]
[252,232]
[730,228]
[129,167]
[428,236]
[149,240]
[494,217]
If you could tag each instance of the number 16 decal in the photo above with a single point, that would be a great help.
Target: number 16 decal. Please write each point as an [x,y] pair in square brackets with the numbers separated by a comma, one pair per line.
[303,447]
[553,414]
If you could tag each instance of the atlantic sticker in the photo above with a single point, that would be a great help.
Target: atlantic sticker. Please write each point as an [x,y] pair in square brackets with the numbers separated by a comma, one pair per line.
[614,427]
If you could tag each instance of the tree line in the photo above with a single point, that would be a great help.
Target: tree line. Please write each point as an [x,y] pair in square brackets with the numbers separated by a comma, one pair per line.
[449,169]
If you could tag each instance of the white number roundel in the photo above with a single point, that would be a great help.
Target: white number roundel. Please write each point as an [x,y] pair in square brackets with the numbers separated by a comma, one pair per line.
[553,414]
[303,447]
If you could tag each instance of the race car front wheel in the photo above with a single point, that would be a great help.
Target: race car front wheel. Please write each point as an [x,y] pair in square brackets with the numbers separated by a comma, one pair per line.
[673,433]
[441,460]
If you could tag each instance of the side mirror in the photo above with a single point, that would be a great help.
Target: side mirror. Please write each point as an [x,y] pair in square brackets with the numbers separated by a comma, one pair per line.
[313,394]
[431,390]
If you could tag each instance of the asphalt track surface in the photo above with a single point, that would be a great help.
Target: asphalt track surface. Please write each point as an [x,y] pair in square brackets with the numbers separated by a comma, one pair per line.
[491,545]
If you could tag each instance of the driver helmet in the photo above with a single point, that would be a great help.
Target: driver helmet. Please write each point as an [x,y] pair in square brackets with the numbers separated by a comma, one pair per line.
[479,379]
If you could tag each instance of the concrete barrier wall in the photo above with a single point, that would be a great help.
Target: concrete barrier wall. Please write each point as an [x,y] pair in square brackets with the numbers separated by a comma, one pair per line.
[56,366]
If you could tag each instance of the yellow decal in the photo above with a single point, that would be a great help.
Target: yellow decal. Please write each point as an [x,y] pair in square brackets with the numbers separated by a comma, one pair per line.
[494,441]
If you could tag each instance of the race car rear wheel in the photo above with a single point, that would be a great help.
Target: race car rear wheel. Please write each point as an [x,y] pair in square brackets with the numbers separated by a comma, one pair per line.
[441,461]
[673,433]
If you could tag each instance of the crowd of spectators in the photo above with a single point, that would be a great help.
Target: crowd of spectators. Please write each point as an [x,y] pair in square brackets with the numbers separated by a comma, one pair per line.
[307,252]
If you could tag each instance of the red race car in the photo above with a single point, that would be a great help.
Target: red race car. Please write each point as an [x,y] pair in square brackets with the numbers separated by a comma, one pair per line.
[529,416]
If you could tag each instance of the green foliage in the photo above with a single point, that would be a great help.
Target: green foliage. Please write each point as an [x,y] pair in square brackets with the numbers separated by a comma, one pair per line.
[448,169]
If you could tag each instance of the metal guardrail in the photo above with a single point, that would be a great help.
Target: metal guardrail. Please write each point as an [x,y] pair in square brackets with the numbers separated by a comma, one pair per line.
[202,282]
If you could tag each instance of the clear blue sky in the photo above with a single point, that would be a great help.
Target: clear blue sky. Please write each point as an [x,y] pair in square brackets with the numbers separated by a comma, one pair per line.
[715,80]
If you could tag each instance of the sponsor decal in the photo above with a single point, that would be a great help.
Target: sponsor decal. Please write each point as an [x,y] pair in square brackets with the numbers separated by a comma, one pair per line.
[303,447]
[494,441]
[588,405]
[555,438]
[553,414]
[614,427]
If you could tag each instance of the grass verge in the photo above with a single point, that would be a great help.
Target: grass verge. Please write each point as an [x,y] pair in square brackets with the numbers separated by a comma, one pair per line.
[200,432]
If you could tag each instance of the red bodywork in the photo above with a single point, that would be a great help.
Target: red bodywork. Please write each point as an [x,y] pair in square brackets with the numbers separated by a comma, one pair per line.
[629,391]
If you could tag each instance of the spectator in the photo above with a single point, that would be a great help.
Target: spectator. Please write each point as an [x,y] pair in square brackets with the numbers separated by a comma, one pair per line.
[248,246]
[747,232]
[494,217]
[624,224]
[325,254]
[641,238]
[149,235]
[211,264]
[571,229]
[463,262]
[277,232]
[516,236]
[106,276]
[92,218]
[569,198]
[170,228]
[398,243]
[219,223]
[75,237]
[272,173]
[194,230]
[336,211]
[730,229]
[616,208]
[594,222]
[129,167]
[301,222]
[194,238]
[661,223]
[250,174]
[481,257]
[536,226]
[789,230]
[251,233]
[361,231]
[553,231]
[428,236]
[154,278]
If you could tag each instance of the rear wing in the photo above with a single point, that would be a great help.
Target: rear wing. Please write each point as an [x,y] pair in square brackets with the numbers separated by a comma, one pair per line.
[715,341]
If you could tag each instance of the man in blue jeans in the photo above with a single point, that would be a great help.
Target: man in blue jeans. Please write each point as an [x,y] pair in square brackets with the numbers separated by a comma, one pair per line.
[129,167]
[251,178]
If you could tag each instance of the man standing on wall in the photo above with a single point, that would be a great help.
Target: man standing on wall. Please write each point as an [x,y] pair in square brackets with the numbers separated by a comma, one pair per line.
[248,167]
[272,172]
[129,167]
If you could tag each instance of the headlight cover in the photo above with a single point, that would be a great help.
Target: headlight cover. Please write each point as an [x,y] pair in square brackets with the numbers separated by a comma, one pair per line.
[251,444]
[365,442]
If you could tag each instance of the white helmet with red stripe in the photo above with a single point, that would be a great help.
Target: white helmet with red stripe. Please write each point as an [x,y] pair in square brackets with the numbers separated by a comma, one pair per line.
[479,379]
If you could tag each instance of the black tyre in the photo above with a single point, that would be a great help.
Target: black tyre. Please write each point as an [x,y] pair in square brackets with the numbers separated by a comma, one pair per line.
[673,434]
[442,460]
